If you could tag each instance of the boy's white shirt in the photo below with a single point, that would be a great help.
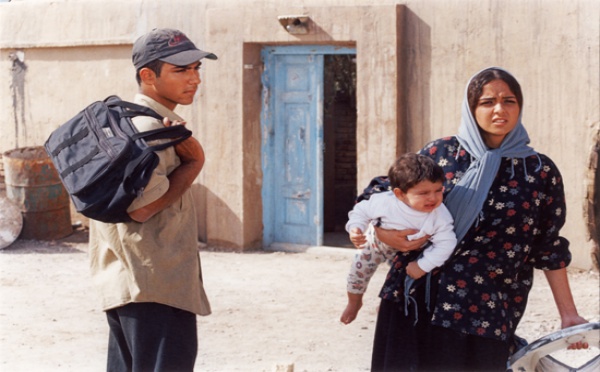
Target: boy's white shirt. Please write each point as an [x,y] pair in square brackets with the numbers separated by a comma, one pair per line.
[159,181]
[396,215]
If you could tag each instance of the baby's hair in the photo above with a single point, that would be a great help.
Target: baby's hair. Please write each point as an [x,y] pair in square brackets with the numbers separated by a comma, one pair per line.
[410,169]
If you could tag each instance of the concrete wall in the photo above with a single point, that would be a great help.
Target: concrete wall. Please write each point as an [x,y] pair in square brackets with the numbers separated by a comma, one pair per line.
[413,60]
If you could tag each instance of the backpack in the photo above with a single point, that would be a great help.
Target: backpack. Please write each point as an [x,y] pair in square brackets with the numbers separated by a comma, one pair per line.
[103,161]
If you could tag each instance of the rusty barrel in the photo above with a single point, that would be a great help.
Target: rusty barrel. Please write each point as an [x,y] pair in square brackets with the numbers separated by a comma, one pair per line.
[32,183]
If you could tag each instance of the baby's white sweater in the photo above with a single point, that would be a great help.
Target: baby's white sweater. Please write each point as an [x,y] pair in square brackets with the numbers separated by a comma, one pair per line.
[396,215]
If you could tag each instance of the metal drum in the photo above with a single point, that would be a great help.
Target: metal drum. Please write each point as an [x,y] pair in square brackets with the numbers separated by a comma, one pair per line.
[32,183]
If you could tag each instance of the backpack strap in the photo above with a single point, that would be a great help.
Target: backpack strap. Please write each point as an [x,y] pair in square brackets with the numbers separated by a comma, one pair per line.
[132,109]
[175,131]
[178,133]
[131,166]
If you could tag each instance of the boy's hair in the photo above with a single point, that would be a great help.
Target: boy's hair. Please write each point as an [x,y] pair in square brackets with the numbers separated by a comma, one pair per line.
[155,66]
[410,169]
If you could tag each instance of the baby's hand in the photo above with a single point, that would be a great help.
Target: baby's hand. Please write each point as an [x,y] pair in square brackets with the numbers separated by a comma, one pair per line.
[414,271]
[357,237]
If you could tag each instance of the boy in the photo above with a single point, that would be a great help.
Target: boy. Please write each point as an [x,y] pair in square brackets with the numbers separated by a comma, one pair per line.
[415,202]
[148,271]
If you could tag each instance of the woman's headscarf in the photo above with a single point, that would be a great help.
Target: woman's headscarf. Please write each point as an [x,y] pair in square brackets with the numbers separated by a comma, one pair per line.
[466,199]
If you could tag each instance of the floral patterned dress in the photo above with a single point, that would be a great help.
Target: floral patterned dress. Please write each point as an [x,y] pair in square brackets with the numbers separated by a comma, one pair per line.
[483,287]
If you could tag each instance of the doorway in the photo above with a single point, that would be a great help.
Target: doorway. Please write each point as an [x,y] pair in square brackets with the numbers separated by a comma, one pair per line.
[301,144]
[340,146]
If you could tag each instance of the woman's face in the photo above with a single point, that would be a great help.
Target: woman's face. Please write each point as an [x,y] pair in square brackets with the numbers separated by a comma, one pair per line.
[497,112]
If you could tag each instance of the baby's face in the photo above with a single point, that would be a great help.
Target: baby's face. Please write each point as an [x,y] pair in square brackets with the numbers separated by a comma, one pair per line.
[424,196]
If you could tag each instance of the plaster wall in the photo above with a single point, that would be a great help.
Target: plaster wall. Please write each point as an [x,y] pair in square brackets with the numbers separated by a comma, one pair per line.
[78,51]
[552,47]
[375,37]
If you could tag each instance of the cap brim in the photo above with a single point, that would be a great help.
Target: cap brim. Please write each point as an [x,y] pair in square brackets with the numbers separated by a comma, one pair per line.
[186,57]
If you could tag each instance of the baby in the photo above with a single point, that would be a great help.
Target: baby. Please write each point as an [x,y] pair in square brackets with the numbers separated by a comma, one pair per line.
[415,202]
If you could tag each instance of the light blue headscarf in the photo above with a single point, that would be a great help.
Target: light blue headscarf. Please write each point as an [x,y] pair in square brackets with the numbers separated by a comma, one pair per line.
[466,199]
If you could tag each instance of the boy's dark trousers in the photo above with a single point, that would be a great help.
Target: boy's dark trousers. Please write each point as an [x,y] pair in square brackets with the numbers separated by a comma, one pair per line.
[151,337]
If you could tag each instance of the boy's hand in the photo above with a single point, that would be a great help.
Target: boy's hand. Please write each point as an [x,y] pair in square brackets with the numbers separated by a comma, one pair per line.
[190,149]
[167,122]
[414,271]
[357,237]
[352,308]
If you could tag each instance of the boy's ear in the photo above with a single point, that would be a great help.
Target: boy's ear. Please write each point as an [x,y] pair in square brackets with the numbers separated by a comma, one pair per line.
[398,192]
[147,76]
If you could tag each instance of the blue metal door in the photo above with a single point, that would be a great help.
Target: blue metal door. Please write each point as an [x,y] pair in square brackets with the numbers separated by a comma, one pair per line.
[292,144]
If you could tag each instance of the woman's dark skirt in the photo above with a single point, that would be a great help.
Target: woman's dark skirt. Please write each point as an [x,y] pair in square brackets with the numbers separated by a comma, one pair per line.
[400,344]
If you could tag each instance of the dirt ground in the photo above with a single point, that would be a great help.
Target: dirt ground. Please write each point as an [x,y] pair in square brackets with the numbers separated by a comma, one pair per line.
[269,310]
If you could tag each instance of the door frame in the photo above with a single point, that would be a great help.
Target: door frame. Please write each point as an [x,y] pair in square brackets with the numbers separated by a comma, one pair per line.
[267,153]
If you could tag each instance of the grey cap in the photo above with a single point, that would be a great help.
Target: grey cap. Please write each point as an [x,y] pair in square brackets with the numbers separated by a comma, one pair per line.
[167,45]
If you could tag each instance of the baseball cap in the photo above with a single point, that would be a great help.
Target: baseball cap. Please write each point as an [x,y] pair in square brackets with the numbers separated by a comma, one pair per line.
[168,45]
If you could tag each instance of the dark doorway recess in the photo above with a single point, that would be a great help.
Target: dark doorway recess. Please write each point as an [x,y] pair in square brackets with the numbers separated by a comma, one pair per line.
[339,162]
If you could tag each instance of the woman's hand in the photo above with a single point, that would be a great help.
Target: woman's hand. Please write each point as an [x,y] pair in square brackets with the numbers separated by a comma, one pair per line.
[570,321]
[563,297]
[398,240]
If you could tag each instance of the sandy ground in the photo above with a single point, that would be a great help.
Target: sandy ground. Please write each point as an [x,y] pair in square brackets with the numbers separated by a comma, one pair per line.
[269,310]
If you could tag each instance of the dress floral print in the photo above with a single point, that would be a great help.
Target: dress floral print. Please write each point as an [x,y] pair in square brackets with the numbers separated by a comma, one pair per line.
[483,287]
